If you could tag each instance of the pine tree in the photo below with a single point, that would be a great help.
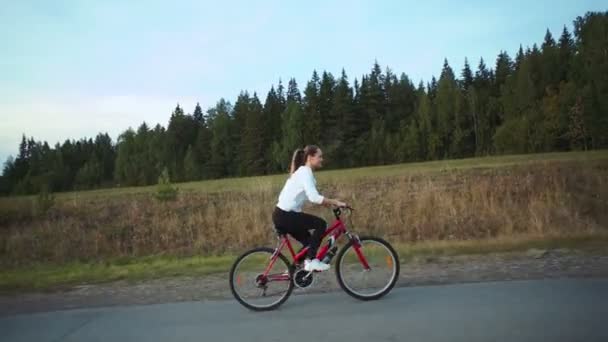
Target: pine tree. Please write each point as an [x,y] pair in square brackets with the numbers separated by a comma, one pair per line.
[535,60]
[142,156]
[329,122]
[106,154]
[390,85]
[468,114]
[363,119]
[181,133]
[126,172]
[519,57]
[407,102]
[292,134]
[448,102]
[550,59]
[21,165]
[340,141]
[466,75]
[548,41]
[8,178]
[566,50]
[400,102]
[525,90]
[375,100]
[240,114]
[157,148]
[428,137]
[484,117]
[293,93]
[311,107]
[281,96]
[202,150]
[349,105]
[165,191]
[272,112]
[519,102]
[503,69]
[254,139]
[476,139]
[198,113]
[432,89]
[66,177]
[222,150]
[591,69]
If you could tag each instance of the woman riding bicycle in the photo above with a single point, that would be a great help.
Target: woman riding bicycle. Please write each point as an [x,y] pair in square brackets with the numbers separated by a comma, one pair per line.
[299,187]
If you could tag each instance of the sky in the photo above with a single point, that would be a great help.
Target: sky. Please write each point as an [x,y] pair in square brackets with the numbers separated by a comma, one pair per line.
[72,69]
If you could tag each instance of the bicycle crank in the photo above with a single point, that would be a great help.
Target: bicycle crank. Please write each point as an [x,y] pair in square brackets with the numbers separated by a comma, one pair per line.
[303,279]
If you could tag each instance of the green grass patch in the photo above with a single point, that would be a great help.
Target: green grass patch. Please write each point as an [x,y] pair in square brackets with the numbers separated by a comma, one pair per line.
[253,183]
[58,277]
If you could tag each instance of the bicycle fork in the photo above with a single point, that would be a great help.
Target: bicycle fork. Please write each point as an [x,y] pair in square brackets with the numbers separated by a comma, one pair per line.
[357,247]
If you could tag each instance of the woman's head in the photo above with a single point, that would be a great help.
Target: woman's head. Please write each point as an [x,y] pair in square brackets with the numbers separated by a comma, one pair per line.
[310,155]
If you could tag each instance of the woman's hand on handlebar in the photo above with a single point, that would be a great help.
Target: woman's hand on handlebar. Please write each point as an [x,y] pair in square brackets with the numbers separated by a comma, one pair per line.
[341,204]
[334,202]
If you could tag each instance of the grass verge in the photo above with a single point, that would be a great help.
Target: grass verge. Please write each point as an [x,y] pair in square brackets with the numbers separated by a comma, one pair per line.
[60,277]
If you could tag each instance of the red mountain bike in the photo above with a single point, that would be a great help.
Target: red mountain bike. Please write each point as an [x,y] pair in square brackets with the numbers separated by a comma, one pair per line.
[367,268]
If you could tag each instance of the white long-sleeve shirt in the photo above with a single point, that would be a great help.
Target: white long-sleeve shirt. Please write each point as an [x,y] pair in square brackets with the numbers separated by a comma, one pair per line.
[300,186]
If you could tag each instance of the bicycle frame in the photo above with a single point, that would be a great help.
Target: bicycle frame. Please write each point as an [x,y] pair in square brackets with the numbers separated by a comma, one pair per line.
[335,231]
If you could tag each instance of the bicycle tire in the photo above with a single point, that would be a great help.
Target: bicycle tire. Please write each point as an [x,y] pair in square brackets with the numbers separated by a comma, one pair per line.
[339,274]
[243,301]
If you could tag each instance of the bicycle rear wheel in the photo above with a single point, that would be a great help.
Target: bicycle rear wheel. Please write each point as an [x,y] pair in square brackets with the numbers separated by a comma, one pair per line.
[374,281]
[252,288]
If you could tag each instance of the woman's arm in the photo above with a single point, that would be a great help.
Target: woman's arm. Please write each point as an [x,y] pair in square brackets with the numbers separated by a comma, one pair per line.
[329,202]
[313,195]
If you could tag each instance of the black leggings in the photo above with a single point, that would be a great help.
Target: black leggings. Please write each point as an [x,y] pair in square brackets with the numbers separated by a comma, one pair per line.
[297,225]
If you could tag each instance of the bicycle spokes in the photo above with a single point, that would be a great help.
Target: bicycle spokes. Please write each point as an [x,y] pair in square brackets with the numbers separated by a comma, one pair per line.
[261,280]
[368,268]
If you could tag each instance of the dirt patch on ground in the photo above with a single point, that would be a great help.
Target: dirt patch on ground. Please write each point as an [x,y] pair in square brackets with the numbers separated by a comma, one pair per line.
[533,264]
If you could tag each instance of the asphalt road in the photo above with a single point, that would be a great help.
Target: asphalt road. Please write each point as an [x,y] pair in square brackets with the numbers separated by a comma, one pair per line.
[546,310]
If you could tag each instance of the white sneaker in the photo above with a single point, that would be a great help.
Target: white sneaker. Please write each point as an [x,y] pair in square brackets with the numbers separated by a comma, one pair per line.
[315,265]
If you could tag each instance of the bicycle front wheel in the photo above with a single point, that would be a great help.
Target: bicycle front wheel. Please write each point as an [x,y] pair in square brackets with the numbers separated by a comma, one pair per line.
[257,284]
[367,269]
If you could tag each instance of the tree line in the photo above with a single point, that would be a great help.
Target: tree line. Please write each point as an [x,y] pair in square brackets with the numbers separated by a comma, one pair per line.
[552,97]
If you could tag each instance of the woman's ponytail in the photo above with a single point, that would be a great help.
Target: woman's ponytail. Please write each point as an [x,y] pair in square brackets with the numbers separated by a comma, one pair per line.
[300,155]
[297,160]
